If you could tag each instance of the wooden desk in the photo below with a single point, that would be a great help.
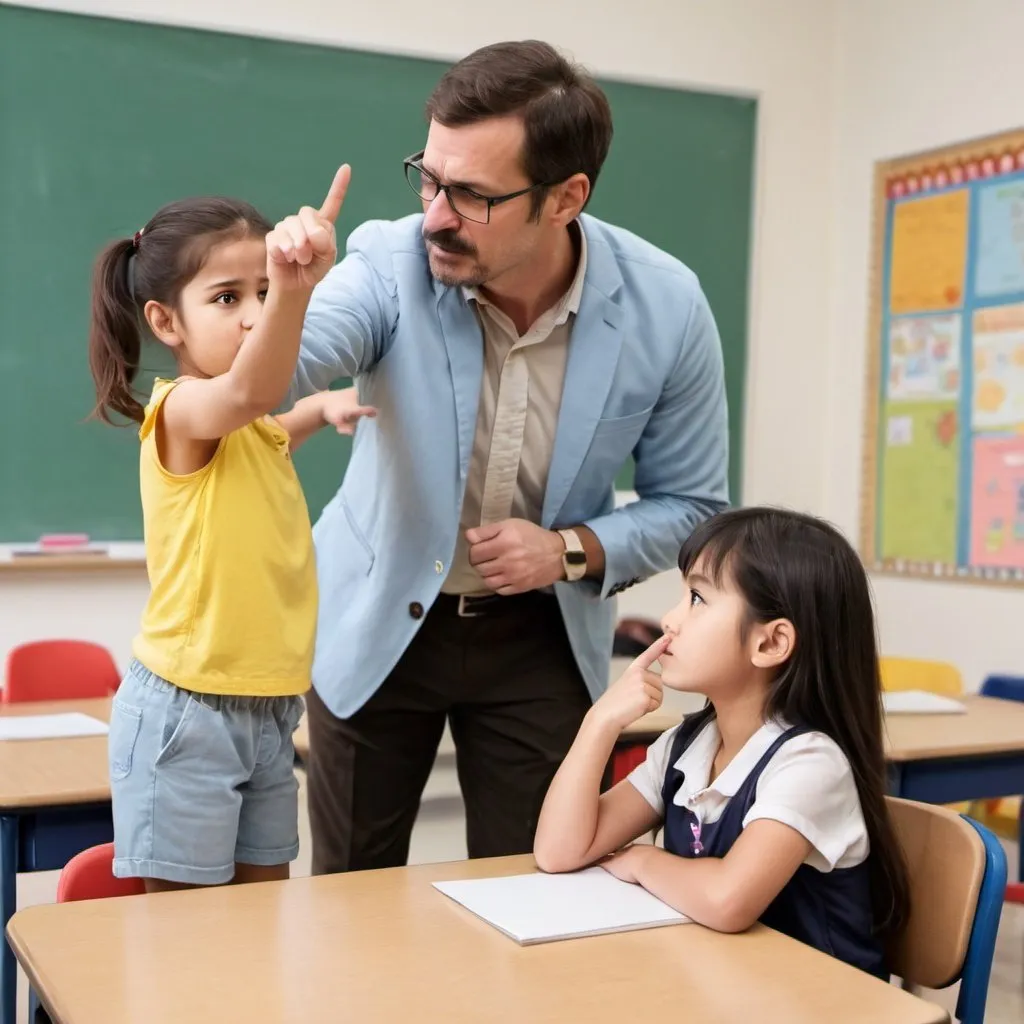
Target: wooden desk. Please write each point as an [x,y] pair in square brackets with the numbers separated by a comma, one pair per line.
[644,731]
[54,803]
[941,759]
[990,727]
[385,946]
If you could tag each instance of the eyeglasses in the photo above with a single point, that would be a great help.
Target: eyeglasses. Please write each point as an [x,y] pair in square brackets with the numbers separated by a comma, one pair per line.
[464,201]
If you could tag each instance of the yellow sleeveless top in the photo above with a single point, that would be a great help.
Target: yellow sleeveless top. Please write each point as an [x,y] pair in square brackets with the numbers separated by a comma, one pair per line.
[229,549]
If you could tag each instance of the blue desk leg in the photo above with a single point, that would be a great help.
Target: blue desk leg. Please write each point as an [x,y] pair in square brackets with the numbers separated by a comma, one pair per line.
[895,778]
[1020,843]
[8,904]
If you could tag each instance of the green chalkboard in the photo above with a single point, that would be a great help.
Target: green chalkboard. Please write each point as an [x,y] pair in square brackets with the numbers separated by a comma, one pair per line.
[102,121]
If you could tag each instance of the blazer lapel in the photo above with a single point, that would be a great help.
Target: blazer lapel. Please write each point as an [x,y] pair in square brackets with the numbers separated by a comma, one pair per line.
[594,348]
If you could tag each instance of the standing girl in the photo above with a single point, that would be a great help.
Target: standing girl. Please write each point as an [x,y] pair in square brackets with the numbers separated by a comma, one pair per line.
[772,797]
[201,757]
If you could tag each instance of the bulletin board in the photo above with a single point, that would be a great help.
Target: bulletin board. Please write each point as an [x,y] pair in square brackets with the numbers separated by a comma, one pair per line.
[944,447]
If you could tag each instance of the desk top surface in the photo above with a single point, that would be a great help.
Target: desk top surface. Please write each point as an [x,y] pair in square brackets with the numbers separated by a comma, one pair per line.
[48,773]
[386,946]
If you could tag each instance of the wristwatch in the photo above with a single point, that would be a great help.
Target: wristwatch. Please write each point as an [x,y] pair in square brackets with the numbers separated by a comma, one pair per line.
[574,558]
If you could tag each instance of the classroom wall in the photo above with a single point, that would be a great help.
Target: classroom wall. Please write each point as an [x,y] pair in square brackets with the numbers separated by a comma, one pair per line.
[779,51]
[841,85]
[912,75]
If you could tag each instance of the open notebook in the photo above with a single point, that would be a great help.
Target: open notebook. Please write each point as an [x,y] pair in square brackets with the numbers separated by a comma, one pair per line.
[544,908]
[920,702]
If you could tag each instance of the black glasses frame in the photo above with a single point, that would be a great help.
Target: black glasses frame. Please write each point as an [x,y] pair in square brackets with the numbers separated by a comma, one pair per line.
[414,163]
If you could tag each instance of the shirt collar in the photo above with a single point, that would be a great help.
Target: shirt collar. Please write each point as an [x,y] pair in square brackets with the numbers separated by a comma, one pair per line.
[695,762]
[569,304]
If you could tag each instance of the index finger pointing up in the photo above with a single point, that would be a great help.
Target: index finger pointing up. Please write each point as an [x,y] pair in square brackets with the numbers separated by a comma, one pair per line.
[653,653]
[336,194]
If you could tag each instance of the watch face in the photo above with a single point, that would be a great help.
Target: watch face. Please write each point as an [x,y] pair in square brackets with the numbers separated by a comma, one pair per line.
[575,558]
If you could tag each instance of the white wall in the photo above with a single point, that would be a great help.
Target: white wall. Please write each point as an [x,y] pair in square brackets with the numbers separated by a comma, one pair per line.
[912,75]
[780,51]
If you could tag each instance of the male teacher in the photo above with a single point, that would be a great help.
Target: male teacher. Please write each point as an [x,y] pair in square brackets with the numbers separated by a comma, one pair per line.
[518,351]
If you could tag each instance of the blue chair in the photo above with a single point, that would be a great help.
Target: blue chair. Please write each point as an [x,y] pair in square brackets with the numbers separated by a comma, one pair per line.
[1003,687]
[957,873]
[1008,688]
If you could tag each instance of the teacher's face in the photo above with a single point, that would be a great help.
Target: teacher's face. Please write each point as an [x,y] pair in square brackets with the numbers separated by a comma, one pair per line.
[484,159]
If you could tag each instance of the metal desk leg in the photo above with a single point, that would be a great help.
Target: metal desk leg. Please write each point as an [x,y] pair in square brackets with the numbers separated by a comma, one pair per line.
[1020,843]
[895,771]
[8,904]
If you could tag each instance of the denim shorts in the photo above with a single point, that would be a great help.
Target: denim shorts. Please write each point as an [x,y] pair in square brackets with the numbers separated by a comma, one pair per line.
[200,782]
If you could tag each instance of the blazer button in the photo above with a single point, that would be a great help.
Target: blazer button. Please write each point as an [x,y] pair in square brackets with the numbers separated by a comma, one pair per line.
[416,610]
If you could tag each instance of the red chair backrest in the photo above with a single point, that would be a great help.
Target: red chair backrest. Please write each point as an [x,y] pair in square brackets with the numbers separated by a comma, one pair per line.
[59,670]
[89,876]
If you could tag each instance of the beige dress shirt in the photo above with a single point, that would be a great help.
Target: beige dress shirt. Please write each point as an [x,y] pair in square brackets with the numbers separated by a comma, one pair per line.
[520,396]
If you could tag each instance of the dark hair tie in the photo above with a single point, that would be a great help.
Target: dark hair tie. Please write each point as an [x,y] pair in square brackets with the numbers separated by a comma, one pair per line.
[136,239]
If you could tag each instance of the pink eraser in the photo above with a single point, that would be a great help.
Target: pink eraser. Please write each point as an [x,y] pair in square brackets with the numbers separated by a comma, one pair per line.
[63,540]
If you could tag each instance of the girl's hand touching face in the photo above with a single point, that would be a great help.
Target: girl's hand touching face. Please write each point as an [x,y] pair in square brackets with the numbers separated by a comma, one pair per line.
[637,692]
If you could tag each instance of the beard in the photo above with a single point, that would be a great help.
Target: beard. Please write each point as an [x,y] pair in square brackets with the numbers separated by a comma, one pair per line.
[450,242]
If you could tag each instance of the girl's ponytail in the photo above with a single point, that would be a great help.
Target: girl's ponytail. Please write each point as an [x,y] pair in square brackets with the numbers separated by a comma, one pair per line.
[115,342]
[153,266]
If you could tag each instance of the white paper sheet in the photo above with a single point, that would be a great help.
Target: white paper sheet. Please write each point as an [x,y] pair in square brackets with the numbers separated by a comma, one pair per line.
[920,702]
[544,908]
[49,727]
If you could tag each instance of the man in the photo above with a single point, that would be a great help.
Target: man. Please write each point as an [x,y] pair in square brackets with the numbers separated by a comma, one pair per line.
[518,352]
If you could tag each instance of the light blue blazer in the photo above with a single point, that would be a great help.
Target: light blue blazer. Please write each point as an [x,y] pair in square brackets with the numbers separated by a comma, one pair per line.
[644,376]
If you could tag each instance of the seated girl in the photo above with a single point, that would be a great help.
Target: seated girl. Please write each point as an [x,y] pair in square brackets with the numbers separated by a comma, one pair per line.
[772,798]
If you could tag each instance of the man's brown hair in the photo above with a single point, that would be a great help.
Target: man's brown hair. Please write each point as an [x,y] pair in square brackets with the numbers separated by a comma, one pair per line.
[565,114]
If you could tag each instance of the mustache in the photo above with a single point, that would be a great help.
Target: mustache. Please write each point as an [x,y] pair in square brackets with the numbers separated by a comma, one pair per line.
[450,242]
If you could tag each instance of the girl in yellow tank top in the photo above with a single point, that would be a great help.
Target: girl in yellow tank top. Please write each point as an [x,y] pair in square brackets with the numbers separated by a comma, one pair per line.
[201,756]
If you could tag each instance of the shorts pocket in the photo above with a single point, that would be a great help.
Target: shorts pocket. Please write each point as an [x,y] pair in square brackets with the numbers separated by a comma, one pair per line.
[125,723]
[180,711]
[293,714]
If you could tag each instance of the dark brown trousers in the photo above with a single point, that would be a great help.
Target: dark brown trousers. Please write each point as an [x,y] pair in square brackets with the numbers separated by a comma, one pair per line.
[507,683]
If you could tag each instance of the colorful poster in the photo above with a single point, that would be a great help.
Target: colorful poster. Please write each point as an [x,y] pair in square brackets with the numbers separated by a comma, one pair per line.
[998,394]
[924,358]
[929,253]
[997,503]
[1000,264]
[919,481]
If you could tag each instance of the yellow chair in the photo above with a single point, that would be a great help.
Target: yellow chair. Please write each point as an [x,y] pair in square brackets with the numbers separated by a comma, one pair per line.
[919,674]
[1001,815]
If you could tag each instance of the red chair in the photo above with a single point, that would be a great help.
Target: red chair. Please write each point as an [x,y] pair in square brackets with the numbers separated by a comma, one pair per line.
[59,670]
[89,876]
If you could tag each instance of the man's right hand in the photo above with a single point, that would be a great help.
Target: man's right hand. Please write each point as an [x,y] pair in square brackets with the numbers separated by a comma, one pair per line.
[636,693]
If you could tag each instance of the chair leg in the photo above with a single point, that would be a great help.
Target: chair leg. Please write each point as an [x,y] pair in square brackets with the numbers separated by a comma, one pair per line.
[36,1013]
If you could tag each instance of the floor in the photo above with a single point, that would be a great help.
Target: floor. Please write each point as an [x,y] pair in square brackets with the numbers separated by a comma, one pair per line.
[439,836]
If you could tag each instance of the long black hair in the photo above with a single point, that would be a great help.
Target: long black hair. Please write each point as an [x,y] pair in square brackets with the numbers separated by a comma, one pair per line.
[796,567]
[155,264]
